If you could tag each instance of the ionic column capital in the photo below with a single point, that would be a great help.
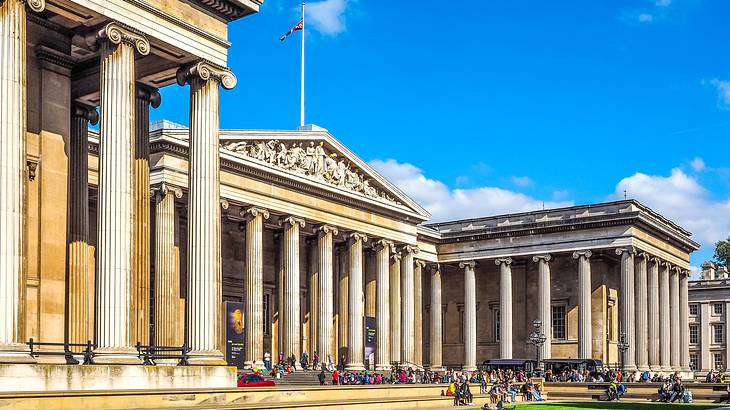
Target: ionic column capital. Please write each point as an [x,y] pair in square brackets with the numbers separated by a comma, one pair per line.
[629,250]
[159,191]
[542,258]
[468,265]
[325,229]
[254,211]
[85,111]
[206,71]
[224,203]
[434,267]
[356,236]
[35,5]
[503,261]
[665,264]
[382,244]
[395,256]
[292,220]
[643,255]
[150,95]
[421,263]
[412,249]
[117,33]
[582,254]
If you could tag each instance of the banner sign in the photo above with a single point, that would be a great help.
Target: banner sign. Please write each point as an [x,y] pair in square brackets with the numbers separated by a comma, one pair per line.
[370,335]
[234,334]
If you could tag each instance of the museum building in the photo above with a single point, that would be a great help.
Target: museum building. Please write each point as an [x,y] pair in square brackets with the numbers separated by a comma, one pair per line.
[138,235]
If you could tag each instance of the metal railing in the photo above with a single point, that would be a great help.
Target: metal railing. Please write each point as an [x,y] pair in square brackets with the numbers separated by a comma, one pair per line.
[150,353]
[88,351]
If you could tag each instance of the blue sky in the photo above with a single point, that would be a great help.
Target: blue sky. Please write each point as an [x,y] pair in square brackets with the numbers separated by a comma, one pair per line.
[480,107]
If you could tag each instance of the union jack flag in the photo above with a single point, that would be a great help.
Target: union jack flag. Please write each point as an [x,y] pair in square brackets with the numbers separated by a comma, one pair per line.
[299,26]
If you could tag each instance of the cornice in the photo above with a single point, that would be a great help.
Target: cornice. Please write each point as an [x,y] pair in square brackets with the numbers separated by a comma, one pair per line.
[223,9]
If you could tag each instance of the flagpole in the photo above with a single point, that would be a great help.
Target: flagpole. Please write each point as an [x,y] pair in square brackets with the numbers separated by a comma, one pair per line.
[301,111]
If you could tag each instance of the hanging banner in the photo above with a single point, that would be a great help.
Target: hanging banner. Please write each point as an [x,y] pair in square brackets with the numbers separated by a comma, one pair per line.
[370,335]
[234,334]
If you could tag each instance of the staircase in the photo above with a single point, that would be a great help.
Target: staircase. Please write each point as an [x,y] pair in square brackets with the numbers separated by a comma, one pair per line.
[302,378]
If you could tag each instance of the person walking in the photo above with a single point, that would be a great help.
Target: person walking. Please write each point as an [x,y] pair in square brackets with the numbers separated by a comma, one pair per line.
[321,377]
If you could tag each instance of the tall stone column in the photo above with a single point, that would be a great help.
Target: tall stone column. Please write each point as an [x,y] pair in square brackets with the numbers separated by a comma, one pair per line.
[626,305]
[674,319]
[505,307]
[325,235]
[13,125]
[290,328]
[684,322]
[418,312]
[343,302]
[145,97]
[355,336]
[407,301]
[382,314]
[544,308]
[470,316]
[436,333]
[253,287]
[167,278]
[80,279]
[585,342]
[204,220]
[395,301]
[653,314]
[664,318]
[642,325]
[115,253]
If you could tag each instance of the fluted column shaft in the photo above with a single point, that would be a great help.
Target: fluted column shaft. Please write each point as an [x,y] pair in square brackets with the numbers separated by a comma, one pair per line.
[505,307]
[626,305]
[684,322]
[343,300]
[13,125]
[674,320]
[470,316]
[253,288]
[653,307]
[664,318]
[115,253]
[641,312]
[167,279]
[382,314]
[325,303]
[585,342]
[144,97]
[395,301]
[544,309]
[291,344]
[436,333]
[355,323]
[407,301]
[79,284]
[418,312]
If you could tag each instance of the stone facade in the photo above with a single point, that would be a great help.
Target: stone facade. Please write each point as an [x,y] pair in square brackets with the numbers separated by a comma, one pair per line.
[709,317]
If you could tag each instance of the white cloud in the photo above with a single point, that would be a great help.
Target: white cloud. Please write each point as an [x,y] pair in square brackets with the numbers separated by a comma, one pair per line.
[663,3]
[521,181]
[683,200]
[723,92]
[450,204]
[645,18]
[327,16]
[698,164]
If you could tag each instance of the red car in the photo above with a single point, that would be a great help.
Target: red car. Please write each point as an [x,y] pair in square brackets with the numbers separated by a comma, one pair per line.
[254,380]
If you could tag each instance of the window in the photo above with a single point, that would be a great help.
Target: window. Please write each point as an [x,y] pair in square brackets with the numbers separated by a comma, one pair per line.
[497,324]
[693,310]
[267,304]
[717,308]
[694,334]
[558,322]
[694,362]
[717,334]
[718,361]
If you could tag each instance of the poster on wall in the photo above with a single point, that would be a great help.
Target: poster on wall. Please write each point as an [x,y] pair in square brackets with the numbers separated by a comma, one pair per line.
[370,335]
[234,334]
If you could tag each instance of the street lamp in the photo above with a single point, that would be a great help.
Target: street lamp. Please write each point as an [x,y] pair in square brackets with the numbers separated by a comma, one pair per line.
[537,338]
[623,346]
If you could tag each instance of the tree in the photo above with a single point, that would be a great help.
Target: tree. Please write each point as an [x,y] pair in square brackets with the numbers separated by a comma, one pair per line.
[722,252]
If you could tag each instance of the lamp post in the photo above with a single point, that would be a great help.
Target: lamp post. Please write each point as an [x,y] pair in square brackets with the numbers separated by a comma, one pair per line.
[537,338]
[623,346]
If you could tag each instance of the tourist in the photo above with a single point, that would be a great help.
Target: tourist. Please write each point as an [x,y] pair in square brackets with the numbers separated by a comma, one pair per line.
[267,361]
[321,378]
[466,394]
[335,377]
[304,361]
[315,361]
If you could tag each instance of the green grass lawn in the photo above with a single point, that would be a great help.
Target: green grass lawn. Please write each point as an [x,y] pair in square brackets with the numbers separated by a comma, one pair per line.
[612,405]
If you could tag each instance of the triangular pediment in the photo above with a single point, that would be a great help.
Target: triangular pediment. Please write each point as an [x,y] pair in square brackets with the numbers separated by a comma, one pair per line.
[316,157]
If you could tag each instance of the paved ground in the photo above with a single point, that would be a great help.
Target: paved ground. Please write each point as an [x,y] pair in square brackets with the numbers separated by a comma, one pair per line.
[614,405]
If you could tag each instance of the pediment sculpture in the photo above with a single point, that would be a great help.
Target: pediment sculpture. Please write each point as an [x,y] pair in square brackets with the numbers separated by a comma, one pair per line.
[311,159]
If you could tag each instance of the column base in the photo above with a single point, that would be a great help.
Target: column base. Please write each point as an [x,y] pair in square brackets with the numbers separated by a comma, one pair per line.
[655,368]
[15,353]
[469,368]
[206,358]
[665,369]
[116,356]
[630,368]
[382,367]
[258,364]
[438,369]
[642,367]
[355,367]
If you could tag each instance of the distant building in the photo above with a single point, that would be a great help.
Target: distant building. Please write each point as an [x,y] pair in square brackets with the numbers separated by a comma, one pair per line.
[709,316]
